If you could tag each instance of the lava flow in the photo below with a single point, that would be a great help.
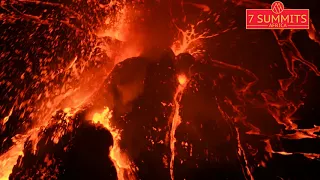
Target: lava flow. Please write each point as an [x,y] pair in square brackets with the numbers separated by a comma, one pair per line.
[125,169]
[144,89]
[176,119]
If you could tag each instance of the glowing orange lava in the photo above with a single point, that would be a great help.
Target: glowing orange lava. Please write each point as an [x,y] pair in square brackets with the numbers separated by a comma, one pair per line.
[9,159]
[55,96]
[182,79]
[176,119]
[124,167]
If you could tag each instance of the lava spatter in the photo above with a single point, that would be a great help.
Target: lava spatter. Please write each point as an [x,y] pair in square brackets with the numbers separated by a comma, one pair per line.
[52,79]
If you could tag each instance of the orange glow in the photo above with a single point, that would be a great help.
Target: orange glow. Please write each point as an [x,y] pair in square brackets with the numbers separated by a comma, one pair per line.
[182,79]
[9,158]
[176,119]
[119,28]
[124,167]
[53,97]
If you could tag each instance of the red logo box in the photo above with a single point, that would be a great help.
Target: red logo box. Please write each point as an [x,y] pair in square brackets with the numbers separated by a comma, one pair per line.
[277,18]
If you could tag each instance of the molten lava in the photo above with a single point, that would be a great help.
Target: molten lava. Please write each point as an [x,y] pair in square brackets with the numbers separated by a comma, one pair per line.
[125,168]
[176,119]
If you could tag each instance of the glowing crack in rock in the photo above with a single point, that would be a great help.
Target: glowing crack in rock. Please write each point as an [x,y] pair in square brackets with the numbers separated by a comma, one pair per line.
[176,119]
